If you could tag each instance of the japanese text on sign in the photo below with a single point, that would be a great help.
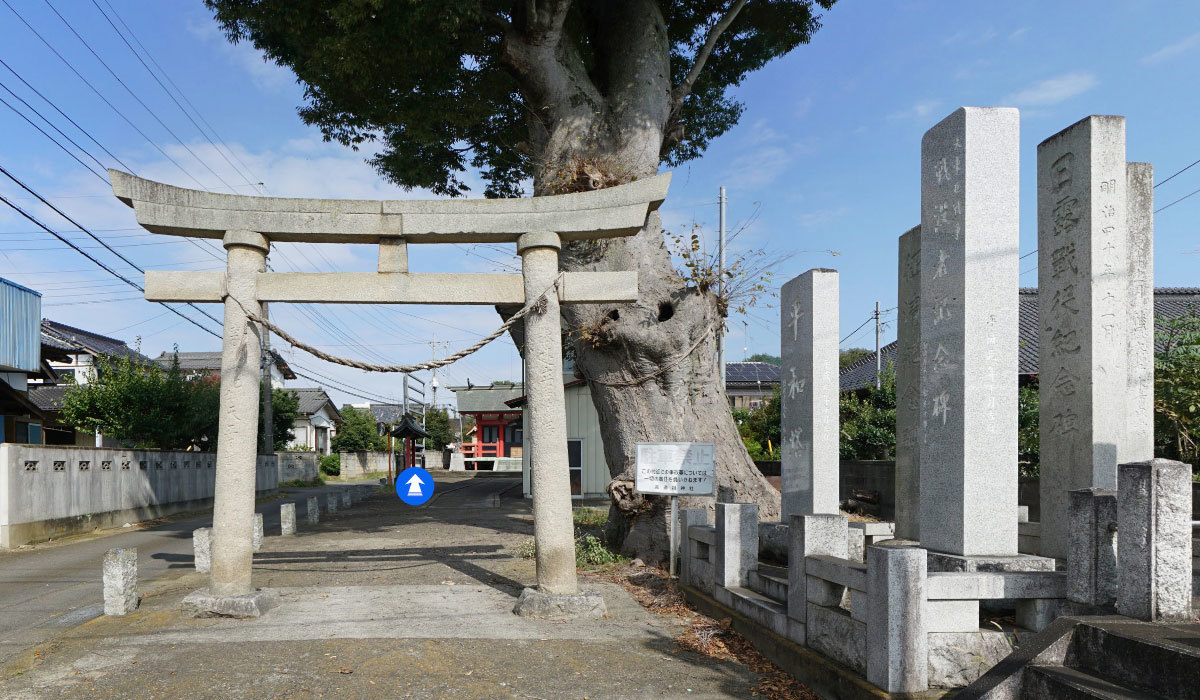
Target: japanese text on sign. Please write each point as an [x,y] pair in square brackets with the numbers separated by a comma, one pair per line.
[669,468]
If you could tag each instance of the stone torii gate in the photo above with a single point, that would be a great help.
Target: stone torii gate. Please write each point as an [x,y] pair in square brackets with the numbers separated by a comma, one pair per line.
[247,226]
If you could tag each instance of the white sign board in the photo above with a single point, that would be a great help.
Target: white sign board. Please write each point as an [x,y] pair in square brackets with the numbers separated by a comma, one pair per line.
[675,468]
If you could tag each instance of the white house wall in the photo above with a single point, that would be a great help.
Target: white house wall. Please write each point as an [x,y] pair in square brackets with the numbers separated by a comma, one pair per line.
[582,424]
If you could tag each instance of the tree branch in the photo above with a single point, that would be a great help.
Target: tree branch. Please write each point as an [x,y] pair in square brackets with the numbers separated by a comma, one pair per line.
[684,88]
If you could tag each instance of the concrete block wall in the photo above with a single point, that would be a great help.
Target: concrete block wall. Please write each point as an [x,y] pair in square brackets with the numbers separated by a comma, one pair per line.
[53,491]
[357,464]
[297,466]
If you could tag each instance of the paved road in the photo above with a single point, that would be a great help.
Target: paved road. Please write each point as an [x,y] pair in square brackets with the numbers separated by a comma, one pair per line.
[52,587]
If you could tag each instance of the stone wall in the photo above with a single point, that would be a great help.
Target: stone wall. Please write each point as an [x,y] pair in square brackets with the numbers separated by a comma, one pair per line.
[358,464]
[297,466]
[53,491]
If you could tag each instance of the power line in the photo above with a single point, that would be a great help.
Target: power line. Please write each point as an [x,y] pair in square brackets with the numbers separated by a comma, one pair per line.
[856,330]
[106,268]
[1168,206]
[100,95]
[64,215]
[52,139]
[133,94]
[52,126]
[1163,182]
[64,115]
[168,92]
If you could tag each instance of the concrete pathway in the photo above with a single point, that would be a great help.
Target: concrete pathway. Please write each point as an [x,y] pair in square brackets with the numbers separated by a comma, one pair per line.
[383,601]
[50,587]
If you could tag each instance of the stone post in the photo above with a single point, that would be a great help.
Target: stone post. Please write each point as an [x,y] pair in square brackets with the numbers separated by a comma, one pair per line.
[897,641]
[809,392]
[314,510]
[1139,313]
[237,450]
[287,519]
[1154,542]
[687,518]
[120,581]
[346,498]
[908,388]
[1082,268]
[331,503]
[256,541]
[202,549]
[968,297]
[737,544]
[810,535]
[1092,555]
[557,592]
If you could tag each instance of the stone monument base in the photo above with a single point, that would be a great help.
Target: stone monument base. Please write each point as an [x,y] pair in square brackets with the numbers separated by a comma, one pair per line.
[202,603]
[534,603]
[942,562]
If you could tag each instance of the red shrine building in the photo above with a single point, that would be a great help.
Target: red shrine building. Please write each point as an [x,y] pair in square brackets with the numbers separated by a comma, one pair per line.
[496,441]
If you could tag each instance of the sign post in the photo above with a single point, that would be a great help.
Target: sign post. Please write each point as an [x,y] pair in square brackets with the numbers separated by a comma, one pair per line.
[672,469]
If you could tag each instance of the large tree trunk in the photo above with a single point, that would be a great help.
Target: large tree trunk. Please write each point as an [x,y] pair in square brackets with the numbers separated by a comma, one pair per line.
[651,366]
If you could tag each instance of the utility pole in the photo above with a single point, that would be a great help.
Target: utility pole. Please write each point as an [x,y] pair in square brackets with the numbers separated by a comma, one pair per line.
[878,359]
[268,417]
[721,288]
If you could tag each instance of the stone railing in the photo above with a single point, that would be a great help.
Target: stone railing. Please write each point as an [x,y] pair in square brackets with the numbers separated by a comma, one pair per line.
[359,464]
[50,491]
[906,629]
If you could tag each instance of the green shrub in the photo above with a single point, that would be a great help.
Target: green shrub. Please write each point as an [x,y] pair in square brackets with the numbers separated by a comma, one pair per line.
[331,465]
[590,551]
[590,517]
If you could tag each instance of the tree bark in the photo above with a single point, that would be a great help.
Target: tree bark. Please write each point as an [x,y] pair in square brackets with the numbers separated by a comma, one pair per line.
[651,365]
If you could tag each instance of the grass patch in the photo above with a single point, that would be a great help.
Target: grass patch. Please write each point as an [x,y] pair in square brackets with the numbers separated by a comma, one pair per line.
[590,517]
[303,483]
[590,552]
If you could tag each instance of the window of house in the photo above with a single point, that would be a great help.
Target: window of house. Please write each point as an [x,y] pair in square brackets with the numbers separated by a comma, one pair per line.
[489,433]
[575,465]
[302,435]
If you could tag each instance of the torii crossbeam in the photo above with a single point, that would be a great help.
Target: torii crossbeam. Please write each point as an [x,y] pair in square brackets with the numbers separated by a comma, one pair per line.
[247,225]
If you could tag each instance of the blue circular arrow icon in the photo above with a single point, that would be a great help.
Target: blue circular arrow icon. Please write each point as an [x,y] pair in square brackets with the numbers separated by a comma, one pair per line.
[414,486]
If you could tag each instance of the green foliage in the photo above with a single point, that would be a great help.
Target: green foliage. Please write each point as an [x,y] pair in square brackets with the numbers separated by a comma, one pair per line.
[357,433]
[868,421]
[437,86]
[330,464]
[1177,389]
[851,355]
[303,483]
[440,428]
[760,428]
[285,409]
[590,517]
[144,405]
[527,549]
[765,357]
[590,551]
[1027,430]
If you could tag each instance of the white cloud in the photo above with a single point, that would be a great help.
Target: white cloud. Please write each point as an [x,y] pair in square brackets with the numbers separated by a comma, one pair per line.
[1053,90]
[920,111]
[1170,51]
[265,74]
[1018,33]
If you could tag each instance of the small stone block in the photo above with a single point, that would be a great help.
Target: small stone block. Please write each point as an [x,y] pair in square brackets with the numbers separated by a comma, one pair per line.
[346,499]
[331,503]
[856,544]
[1022,514]
[202,549]
[314,511]
[256,539]
[201,603]
[811,535]
[1092,550]
[952,616]
[940,561]
[1154,544]
[897,640]
[287,519]
[737,543]
[687,518]
[1037,613]
[120,581]
[534,603]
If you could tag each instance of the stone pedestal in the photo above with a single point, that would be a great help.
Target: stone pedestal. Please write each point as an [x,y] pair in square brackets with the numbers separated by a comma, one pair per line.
[811,535]
[687,518]
[1092,556]
[736,552]
[809,393]
[202,603]
[1082,300]
[1154,545]
[120,581]
[287,519]
[908,388]
[969,211]
[534,603]
[897,638]
[237,450]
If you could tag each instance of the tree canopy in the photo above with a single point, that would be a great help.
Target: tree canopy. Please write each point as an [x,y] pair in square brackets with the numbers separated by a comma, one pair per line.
[441,87]
[356,432]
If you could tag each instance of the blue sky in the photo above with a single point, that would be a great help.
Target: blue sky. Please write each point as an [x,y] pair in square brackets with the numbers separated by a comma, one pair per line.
[825,160]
